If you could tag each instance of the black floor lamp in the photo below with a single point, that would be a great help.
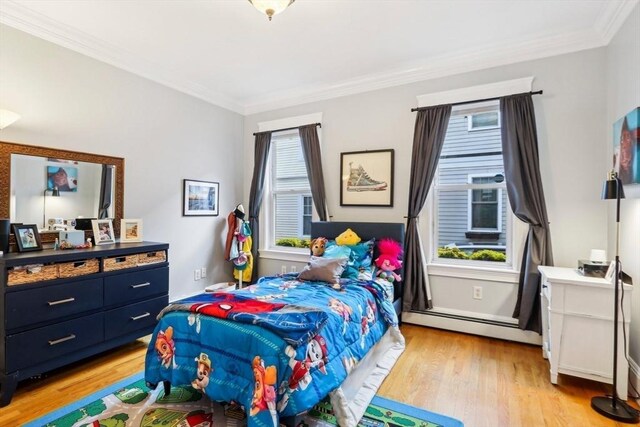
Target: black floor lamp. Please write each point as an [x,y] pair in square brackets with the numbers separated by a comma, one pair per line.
[611,406]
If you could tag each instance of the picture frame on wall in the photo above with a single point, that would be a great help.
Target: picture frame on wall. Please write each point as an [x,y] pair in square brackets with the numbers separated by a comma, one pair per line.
[130,230]
[27,237]
[366,178]
[103,231]
[626,152]
[200,198]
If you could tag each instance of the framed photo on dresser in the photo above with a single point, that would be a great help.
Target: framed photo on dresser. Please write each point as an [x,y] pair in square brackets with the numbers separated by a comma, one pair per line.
[27,237]
[103,231]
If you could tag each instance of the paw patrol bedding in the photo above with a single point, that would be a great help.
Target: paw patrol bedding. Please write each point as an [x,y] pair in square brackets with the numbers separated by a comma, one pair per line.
[277,347]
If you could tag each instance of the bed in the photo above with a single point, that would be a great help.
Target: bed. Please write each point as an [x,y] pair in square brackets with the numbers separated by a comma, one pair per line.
[280,346]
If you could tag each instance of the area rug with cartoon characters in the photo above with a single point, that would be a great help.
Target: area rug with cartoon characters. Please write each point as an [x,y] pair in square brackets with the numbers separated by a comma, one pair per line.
[130,403]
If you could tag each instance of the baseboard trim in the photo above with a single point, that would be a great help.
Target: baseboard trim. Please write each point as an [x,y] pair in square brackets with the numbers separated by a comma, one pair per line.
[471,325]
[634,377]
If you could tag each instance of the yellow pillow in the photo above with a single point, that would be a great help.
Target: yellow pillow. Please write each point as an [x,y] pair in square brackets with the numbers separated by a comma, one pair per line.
[347,238]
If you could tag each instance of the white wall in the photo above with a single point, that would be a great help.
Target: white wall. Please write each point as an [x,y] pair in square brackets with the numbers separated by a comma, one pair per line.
[623,90]
[70,101]
[571,130]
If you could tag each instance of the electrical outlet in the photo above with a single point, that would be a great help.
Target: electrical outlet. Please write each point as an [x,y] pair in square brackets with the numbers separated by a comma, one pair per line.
[477,292]
[283,269]
[197,274]
[203,272]
[294,268]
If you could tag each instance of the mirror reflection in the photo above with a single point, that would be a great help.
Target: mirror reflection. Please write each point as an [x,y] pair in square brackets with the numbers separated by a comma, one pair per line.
[53,192]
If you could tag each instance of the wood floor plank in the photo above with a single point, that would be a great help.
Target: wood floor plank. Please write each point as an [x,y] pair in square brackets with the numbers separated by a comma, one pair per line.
[481,381]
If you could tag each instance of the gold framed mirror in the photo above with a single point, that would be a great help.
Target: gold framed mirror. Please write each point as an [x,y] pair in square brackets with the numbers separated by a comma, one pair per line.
[10,152]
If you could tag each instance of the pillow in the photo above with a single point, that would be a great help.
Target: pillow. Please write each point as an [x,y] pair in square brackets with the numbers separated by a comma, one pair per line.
[348,237]
[323,269]
[332,250]
[360,258]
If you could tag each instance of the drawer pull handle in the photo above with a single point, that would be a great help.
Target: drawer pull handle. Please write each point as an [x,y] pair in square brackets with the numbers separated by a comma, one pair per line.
[141,285]
[79,264]
[142,316]
[61,340]
[120,259]
[61,301]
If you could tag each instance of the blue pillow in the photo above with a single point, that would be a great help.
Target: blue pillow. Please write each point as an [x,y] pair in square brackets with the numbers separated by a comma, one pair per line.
[360,259]
[335,251]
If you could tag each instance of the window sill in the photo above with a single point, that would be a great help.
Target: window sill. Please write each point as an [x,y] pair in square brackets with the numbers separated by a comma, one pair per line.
[301,255]
[505,275]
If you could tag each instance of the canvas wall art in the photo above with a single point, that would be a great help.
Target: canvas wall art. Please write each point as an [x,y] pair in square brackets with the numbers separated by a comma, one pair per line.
[64,178]
[626,150]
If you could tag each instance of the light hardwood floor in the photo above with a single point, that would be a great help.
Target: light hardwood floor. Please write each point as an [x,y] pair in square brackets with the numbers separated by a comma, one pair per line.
[481,381]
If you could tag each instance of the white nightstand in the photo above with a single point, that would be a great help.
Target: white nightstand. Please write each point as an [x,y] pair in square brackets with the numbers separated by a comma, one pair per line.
[577,326]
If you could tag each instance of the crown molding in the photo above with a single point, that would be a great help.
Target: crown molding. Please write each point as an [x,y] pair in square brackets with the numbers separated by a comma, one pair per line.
[612,17]
[24,19]
[437,67]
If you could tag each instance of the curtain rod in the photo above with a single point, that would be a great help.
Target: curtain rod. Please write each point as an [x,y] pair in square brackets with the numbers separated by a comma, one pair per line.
[477,100]
[282,130]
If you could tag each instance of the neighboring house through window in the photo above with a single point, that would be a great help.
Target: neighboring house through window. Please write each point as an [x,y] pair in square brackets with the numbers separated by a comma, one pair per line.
[471,211]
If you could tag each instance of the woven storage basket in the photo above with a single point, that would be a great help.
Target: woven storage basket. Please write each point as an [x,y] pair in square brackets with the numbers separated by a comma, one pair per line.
[120,262]
[152,257]
[31,273]
[79,268]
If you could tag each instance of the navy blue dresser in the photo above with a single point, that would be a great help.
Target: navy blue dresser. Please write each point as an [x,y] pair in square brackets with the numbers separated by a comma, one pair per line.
[58,307]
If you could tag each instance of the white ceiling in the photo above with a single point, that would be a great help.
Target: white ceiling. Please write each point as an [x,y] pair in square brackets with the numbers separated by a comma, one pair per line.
[227,53]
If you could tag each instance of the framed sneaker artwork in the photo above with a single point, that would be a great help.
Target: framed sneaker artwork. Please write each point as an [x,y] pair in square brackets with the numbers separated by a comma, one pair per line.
[366,178]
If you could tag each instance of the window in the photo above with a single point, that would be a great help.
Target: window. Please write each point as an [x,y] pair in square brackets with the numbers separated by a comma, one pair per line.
[483,121]
[307,214]
[484,209]
[291,204]
[471,214]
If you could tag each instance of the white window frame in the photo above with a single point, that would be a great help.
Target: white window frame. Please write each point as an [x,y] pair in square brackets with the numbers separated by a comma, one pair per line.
[517,230]
[268,249]
[496,186]
[471,128]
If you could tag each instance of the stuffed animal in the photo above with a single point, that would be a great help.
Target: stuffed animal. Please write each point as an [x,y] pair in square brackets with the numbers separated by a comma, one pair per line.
[388,261]
[348,238]
[317,246]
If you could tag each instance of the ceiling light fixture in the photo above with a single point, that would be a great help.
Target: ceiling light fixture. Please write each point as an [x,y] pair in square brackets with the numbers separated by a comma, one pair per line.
[271,7]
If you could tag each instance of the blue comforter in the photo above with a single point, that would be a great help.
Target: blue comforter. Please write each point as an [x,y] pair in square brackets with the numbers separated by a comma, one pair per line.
[277,347]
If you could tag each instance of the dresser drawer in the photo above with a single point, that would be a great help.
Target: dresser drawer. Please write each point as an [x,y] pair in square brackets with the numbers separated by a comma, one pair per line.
[33,306]
[133,317]
[39,345]
[129,287]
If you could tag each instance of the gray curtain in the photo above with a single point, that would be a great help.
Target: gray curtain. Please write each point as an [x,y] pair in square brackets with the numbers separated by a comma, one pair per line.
[261,157]
[430,130]
[106,191]
[526,197]
[313,161]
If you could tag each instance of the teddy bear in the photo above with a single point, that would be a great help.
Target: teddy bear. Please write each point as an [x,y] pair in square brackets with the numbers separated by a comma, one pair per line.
[317,246]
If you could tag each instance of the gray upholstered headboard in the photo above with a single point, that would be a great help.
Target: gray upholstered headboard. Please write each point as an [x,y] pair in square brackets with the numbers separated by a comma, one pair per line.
[366,231]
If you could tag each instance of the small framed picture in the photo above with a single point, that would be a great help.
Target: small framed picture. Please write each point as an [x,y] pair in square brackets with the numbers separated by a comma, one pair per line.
[130,230]
[366,178]
[200,198]
[103,231]
[27,237]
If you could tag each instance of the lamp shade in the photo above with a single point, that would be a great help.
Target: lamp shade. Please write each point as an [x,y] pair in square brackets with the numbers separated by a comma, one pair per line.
[7,117]
[610,189]
[55,192]
[271,7]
